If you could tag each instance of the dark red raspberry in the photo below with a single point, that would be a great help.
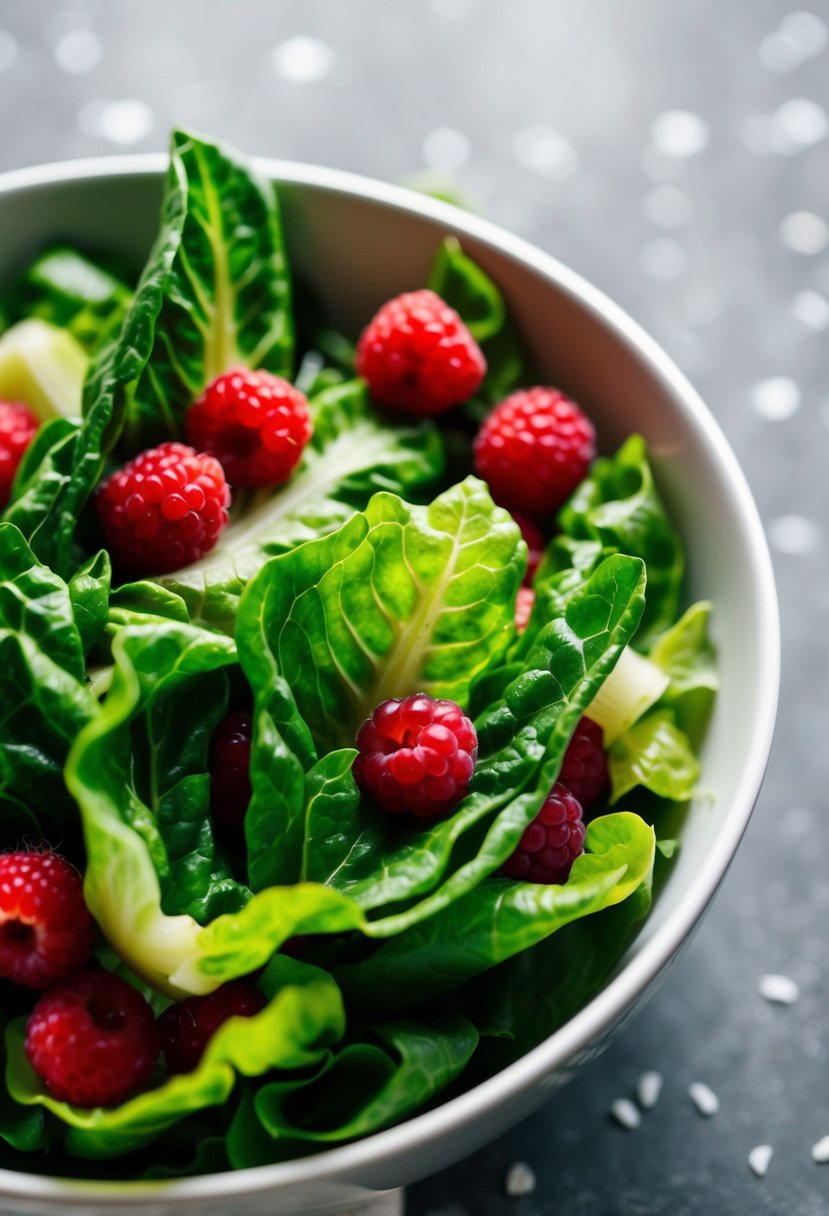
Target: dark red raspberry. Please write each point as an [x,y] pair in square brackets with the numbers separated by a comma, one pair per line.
[164,510]
[45,928]
[416,754]
[17,430]
[417,355]
[584,767]
[187,1027]
[534,449]
[229,769]
[92,1039]
[535,542]
[551,843]
[255,424]
[524,602]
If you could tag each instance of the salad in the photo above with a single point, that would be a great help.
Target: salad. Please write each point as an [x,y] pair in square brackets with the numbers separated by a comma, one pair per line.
[347,698]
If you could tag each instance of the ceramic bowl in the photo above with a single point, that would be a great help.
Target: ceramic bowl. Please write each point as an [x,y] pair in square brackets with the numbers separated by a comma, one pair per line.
[358,242]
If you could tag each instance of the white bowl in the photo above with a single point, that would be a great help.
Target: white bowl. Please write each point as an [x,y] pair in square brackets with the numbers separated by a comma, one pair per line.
[359,242]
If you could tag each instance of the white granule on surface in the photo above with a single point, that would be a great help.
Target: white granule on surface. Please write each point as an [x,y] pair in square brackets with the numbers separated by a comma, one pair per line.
[704,1099]
[520,1179]
[759,1159]
[625,1114]
[820,1151]
[779,989]
[649,1089]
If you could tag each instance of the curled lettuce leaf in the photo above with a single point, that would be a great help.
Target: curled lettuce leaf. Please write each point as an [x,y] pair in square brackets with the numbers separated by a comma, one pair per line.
[686,654]
[401,599]
[619,506]
[303,1016]
[656,754]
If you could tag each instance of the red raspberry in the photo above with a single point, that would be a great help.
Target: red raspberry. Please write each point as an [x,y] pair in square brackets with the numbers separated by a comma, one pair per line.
[524,603]
[535,542]
[186,1027]
[416,755]
[255,424]
[551,843]
[92,1039]
[584,767]
[534,449]
[17,430]
[229,769]
[45,928]
[417,355]
[164,510]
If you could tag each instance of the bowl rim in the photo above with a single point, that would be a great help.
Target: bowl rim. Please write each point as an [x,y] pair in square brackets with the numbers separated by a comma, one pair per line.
[418,1132]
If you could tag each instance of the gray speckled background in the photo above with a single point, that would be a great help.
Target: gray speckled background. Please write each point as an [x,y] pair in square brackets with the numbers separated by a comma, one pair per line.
[675,153]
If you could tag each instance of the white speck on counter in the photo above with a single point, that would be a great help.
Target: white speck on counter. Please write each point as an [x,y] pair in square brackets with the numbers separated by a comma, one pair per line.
[704,1099]
[78,51]
[649,1089]
[794,535]
[8,51]
[520,1179]
[820,1151]
[679,133]
[779,989]
[668,206]
[804,232]
[120,122]
[812,309]
[776,398]
[302,60]
[446,149]
[759,1159]
[546,152]
[625,1114]
[662,259]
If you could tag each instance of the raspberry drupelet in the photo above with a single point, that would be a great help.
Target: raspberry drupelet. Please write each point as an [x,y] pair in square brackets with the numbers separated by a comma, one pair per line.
[418,356]
[92,1039]
[416,754]
[533,450]
[188,1026]
[164,510]
[584,768]
[551,843]
[230,769]
[254,423]
[45,928]
[17,430]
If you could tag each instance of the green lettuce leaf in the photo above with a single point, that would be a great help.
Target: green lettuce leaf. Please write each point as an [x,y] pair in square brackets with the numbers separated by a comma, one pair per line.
[499,919]
[89,591]
[686,654]
[304,1015]
[225,294]
[618,505]
[359,1089]
[353,453]
[401,599]
[656,754]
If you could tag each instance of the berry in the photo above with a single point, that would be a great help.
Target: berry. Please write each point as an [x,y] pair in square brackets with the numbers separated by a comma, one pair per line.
[524,602]
[551,843]
[417,755]
[17,430]
[229,769]
[584,768]
[534,449]
[187,1027]
[417,355]
[164,510]
[255,424]
[45,928]
[535,542]
[92,1039]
